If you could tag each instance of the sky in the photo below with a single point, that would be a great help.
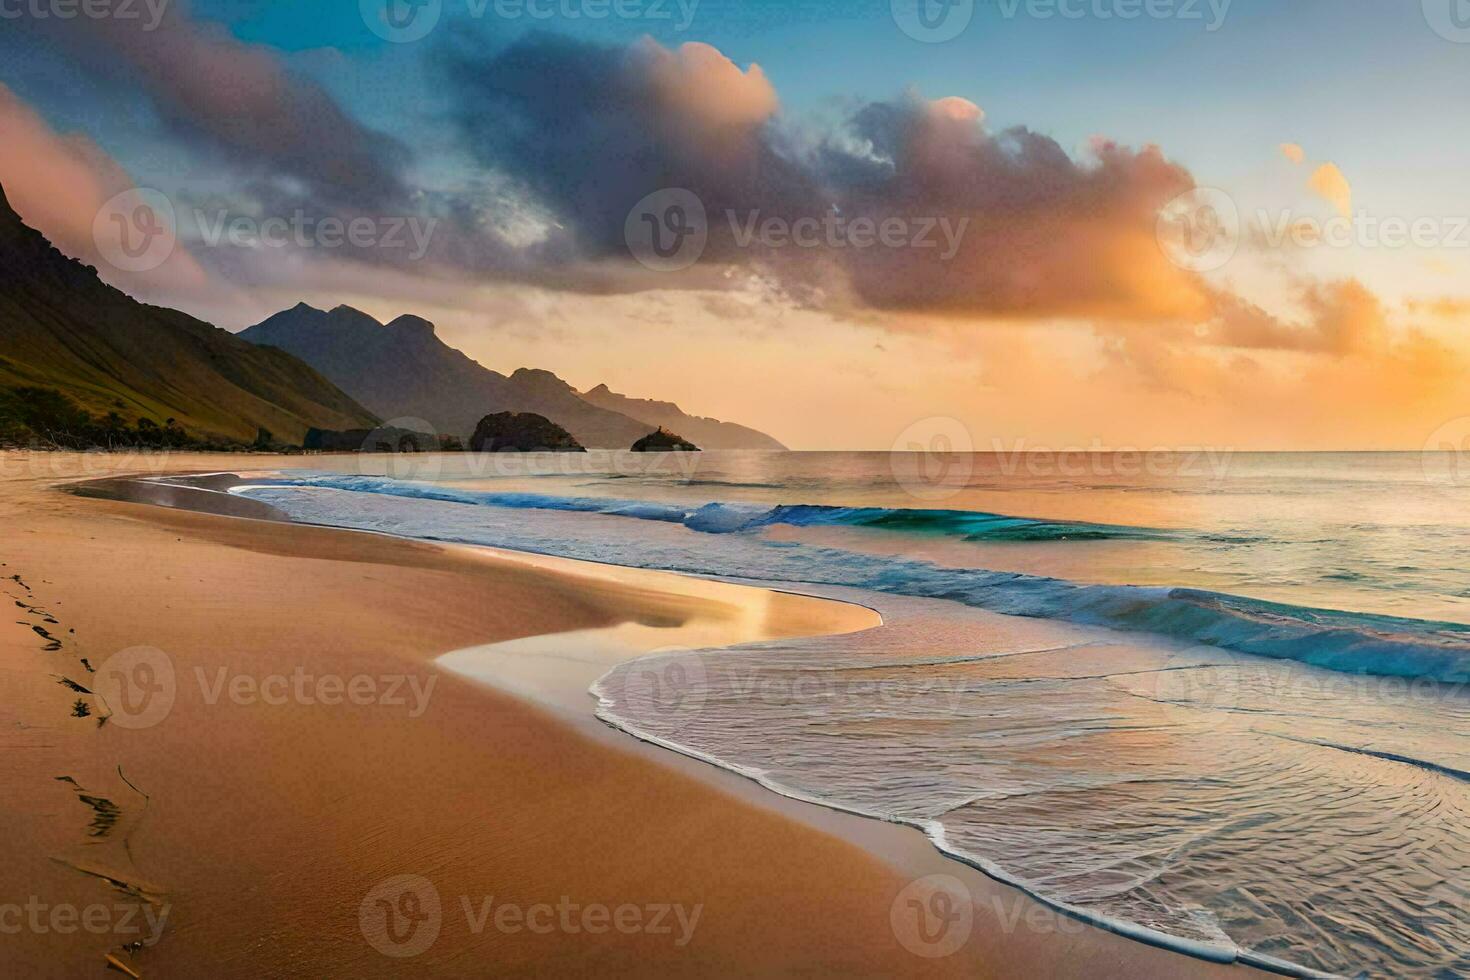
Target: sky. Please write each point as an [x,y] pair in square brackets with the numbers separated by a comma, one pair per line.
[1105,223]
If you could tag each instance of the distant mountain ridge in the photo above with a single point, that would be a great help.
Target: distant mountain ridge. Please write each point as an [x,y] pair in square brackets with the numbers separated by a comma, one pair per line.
[707,433]
[402,370]
[63,328]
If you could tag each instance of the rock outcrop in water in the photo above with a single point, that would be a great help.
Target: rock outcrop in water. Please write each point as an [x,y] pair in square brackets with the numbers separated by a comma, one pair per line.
[524,432]
[664,441]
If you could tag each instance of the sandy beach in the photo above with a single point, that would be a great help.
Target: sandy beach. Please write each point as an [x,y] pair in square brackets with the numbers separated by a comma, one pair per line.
[315,765]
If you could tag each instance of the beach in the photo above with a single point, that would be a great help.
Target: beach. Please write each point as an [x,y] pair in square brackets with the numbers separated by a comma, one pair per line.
[314,754]
[757,489]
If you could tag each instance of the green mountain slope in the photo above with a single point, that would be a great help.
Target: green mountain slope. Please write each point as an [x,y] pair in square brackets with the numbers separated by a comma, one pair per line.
[61,327]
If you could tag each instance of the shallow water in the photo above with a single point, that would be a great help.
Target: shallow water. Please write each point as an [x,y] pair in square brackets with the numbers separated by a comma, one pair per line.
[1168,786]
[1065,694]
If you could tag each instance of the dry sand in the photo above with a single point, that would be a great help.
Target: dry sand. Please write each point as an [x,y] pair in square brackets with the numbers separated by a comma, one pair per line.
[264,822]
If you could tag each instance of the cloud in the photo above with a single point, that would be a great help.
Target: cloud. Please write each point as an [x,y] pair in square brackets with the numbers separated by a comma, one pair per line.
[619,124]
[1293,152]
[1330,184]
[1044,235]
[1341,318]
[1242,324]
[233,101]
[989,224]
[999,226]
[58,184]
[1343,376]
[1347,317]
[1444,307]
[698,88]
[959,109]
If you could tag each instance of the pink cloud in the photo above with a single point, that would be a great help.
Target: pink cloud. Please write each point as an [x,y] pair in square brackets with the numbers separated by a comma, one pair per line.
[59,184]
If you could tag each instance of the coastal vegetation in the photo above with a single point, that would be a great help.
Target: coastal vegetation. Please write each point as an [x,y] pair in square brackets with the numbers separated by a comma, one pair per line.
[44,418]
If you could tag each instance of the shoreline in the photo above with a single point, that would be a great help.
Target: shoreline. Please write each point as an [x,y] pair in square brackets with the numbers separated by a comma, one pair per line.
[1083,950]
[462,661]
[933,833]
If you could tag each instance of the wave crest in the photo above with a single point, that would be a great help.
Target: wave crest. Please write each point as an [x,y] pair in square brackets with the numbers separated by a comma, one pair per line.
[1355,643]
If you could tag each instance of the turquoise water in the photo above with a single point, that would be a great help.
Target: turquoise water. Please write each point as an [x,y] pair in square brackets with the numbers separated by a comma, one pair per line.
[1216,697]
[1376,532]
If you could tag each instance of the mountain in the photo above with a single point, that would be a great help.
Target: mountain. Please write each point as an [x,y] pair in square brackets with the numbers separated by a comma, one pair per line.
[63,328]
[708,433]
[401,370]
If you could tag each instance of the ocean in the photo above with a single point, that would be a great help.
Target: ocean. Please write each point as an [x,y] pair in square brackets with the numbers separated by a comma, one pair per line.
[1214,700]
